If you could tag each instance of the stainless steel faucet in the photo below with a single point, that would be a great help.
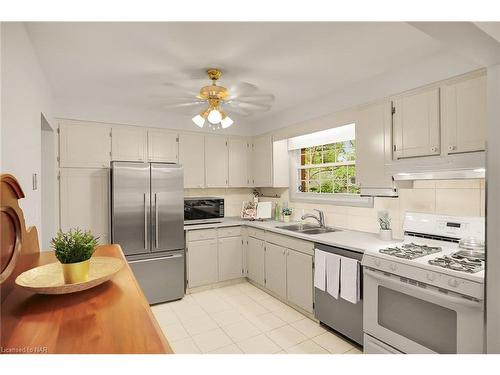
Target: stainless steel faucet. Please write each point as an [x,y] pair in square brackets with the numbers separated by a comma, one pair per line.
[320,217]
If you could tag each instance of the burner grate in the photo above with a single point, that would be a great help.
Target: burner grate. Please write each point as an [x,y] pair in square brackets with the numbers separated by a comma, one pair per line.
[410,251]
[458,263]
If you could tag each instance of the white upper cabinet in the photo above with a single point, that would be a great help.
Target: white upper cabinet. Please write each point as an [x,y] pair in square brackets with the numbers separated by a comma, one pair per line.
[373,147]
[464,115]
[216,161]
[162,146]
[416,127]
[238,151]
[128,143]
[84,200]
[281,164]
[84,144]
[262,161]
[270,162]
[192,158]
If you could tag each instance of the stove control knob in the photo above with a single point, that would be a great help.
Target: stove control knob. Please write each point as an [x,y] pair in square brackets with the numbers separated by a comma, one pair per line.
[453,283]
[431,276]
[393,266]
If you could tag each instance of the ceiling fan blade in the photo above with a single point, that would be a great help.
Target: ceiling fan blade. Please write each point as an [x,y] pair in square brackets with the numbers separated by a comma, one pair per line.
[236,110]
[259,98]
[250,106]
[186,109]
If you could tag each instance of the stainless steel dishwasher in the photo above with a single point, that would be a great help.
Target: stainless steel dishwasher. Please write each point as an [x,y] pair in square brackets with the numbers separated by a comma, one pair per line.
[342,316]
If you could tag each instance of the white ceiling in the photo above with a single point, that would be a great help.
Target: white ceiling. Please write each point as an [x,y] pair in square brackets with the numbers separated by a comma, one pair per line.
[132,65]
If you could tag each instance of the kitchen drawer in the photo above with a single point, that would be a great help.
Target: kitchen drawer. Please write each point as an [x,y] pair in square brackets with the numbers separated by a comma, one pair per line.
[290,242]
[229,232]
[201,234]
[256,233]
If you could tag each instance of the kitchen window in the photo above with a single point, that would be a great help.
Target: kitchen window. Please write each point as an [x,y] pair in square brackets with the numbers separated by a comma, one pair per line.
[324,167]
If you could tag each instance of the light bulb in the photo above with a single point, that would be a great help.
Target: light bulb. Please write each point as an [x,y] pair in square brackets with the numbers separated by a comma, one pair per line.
[199,120]
[214,116]
[226,122]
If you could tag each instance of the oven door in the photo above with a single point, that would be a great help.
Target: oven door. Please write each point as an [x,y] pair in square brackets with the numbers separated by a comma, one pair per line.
[416,319]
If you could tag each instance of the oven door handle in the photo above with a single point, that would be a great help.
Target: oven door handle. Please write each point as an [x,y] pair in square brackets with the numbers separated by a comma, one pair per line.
[450,298]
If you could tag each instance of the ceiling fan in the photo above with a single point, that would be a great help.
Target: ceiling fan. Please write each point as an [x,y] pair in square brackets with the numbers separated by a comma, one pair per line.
[212,102]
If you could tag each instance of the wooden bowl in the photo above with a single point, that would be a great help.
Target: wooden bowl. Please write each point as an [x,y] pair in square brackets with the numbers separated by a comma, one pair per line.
[49,279]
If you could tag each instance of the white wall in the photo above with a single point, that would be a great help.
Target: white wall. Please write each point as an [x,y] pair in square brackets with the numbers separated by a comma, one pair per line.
[25,96]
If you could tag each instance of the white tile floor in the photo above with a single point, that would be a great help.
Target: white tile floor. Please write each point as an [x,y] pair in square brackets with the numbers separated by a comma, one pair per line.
[243,319]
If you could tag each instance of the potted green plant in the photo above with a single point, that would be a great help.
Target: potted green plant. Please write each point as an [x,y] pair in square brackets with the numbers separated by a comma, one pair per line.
[74,250]
[287,212]
[384,222]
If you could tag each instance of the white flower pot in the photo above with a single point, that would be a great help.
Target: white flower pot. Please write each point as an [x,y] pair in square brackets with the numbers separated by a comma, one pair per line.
[385,234]
[286,218]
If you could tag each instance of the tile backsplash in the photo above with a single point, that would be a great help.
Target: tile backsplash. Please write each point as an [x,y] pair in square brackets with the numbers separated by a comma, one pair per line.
[446,197]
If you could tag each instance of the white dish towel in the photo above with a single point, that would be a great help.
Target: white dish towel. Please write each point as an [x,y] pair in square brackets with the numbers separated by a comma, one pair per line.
[333,274]
[320,269]
[349,280]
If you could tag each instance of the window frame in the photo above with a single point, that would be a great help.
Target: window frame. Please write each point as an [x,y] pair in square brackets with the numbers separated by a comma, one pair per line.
[339,199]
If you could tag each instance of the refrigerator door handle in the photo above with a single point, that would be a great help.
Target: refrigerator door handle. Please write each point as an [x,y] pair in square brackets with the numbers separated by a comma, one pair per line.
[156,221]
[145,222]
[173,256]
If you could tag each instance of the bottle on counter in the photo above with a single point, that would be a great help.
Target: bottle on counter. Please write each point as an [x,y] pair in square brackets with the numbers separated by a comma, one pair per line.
[277,212]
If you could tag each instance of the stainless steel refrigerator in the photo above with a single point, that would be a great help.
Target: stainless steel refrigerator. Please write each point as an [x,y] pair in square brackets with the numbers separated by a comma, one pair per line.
[147,221]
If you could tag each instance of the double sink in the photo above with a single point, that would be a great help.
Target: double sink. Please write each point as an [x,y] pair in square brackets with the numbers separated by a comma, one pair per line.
[307,228]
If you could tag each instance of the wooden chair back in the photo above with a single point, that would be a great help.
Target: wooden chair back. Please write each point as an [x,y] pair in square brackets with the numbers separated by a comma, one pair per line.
[18,245]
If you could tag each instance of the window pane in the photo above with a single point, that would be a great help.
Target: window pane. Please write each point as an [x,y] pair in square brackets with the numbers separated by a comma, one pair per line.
[317,155]
[305,156]
[327,186]
[326,173]
[314,187]
[340,186]
[314,173]
[329,154]
[303,186]
[303,174]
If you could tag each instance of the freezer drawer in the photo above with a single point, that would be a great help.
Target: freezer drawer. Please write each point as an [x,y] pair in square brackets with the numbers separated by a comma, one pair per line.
[162,279]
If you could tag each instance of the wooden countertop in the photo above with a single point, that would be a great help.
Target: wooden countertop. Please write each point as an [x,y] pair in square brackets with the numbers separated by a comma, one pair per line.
[113,317]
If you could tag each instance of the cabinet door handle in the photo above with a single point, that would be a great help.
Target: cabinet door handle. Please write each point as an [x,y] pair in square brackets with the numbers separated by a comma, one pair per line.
[452,148]
[434,149]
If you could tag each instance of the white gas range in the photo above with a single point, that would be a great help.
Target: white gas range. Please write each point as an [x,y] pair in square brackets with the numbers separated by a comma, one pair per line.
[425,296]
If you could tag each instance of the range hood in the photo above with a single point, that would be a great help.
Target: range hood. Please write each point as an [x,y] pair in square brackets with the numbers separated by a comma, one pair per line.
[449,167]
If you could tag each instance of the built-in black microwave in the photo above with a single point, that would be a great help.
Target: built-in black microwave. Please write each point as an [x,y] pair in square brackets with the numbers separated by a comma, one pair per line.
[203,210]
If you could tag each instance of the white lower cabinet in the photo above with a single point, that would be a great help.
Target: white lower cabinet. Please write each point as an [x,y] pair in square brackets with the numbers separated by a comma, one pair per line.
[214,256]
[230,258]
[275,269]
[255,260]
[202,266]
[299,279]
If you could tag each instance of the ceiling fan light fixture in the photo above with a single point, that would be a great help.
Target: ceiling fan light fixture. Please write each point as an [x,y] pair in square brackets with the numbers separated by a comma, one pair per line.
[214,116]
[199,120]
[226,122]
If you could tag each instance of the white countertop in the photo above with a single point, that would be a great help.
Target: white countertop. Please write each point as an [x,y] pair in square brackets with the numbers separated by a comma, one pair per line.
[347,239]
